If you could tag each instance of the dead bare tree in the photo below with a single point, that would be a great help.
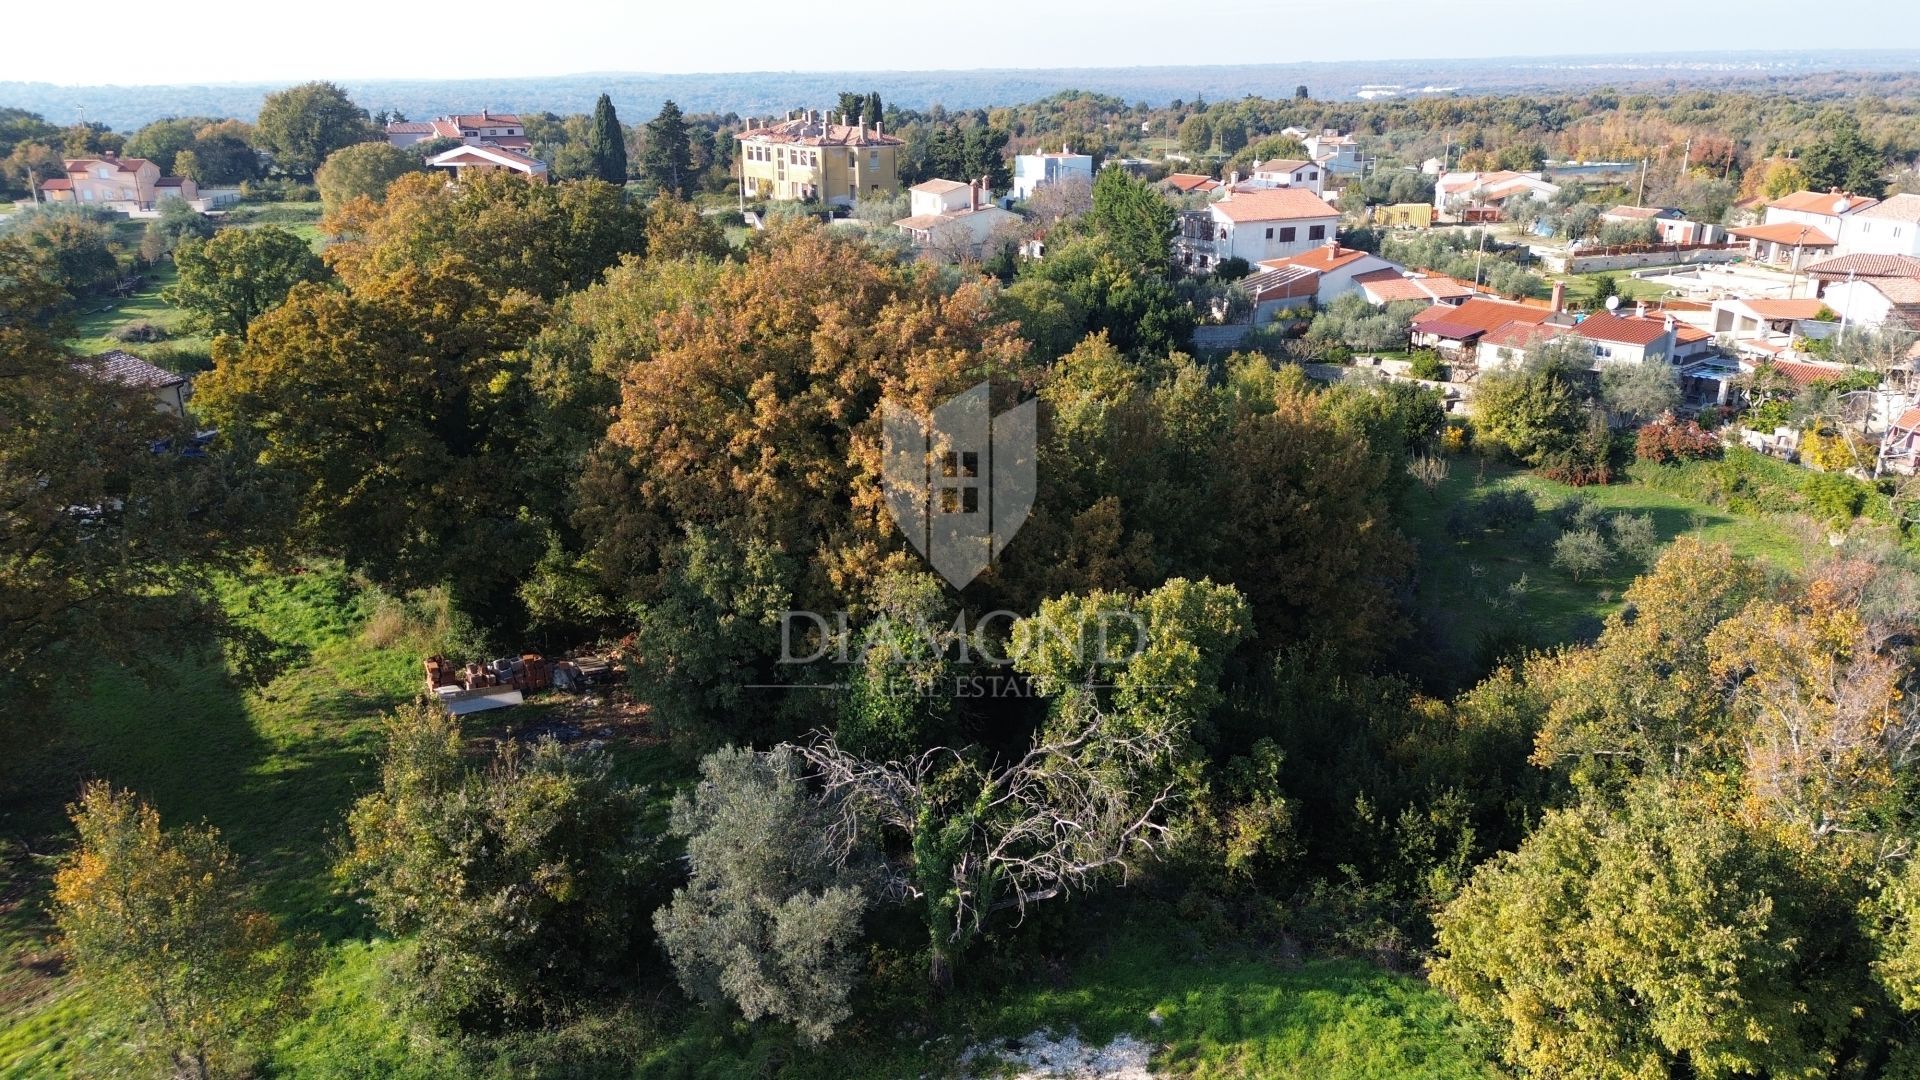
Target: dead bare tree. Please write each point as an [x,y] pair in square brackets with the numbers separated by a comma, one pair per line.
[970,839]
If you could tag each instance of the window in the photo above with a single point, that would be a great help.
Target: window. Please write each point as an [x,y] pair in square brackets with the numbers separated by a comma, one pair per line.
[1287,234]
[104,173]
[1317,232]
[1314,175]
[1269,232]
[873,159]
[957,494]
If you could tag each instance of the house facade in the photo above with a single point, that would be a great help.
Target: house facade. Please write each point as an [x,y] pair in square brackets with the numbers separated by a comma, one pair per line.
[1457,329]
[1290,172]
[808,157]
[1822,210]
[113,183]
[1034,171]
[952,219]
[1336,268]
[1255,225]
[1888,227]
[1461,191]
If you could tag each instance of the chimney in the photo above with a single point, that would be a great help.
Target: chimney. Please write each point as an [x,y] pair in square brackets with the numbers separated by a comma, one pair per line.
[878,129]
[1640,310]
[1559,297]
[973,195]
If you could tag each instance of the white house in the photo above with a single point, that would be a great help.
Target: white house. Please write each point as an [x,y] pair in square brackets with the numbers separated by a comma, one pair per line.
[1627,339]
[1290,172]
[1871,301]
[1459,190]
[1031,171]
[1336,153]
[1823,210]
[952,218]
[1260,225]
[1337,268]
[484,157]
[1888,227]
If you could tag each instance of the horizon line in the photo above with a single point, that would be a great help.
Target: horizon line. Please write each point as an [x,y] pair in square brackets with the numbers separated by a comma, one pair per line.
[1637,59]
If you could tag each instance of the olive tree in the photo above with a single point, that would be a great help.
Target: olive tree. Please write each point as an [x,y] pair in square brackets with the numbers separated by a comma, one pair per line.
[769,919]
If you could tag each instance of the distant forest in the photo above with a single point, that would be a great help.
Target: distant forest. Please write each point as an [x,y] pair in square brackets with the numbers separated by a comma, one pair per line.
[1829,73]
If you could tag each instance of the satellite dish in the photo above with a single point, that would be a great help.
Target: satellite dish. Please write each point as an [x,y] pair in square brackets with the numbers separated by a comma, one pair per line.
[1613,303]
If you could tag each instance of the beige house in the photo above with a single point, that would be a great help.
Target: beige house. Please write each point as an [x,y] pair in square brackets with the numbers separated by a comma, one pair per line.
[115,183]
[137,376]
[808,157]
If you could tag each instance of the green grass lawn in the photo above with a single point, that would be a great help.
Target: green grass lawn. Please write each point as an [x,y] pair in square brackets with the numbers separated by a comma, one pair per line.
[94,324]
[1486,595]
[299,218]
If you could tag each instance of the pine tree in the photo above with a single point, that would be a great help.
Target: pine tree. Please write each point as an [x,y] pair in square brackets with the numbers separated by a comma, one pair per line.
[607,143]
[668,160]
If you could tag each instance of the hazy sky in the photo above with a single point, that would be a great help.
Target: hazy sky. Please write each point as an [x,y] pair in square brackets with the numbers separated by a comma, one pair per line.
[234,41]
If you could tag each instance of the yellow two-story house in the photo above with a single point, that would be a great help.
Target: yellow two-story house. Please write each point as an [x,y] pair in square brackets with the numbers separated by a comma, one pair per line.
[808,157]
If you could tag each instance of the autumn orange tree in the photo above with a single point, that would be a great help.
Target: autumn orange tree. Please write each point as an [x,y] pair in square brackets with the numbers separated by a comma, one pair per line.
[159,927]
[741,474]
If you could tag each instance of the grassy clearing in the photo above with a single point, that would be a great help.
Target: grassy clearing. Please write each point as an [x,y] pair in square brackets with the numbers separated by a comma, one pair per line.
[94,325]
[299,218]
[1486,595]
[1242,1015]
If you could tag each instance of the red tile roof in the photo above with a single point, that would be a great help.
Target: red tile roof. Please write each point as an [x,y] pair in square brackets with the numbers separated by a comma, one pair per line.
[1820,202]
[409,127]
[130,164]
[1323,258]
[1274,204]
[1516,335]
[58,183]
[1606,326]
[1901,207]
[1181,181]
[1790,233]
[1909,420]
[1837,269]
[1386,286]
[1786,309]
[1806,374]
[1477,315]
[1281,165]
[128,370]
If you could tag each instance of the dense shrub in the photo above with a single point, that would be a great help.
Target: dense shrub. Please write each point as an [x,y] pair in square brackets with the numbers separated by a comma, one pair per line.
[140,330]
[1669,440]
[1427,365]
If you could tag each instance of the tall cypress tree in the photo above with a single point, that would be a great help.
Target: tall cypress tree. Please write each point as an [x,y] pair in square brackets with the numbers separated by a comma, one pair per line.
[607,143]
[873,112]
[668,160]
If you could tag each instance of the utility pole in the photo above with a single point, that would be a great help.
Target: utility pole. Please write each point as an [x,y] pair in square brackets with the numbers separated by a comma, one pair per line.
[1642,200]
[1686,158]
